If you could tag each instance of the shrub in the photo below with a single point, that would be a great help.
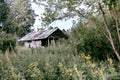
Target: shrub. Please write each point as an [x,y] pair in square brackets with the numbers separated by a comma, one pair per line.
[7,43]
[90,41]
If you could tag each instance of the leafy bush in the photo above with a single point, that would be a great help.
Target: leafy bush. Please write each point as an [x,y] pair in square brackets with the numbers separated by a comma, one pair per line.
[7,43]
[90,41]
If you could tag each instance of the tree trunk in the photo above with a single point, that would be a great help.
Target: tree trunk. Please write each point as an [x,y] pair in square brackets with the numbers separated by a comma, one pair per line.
[109,33]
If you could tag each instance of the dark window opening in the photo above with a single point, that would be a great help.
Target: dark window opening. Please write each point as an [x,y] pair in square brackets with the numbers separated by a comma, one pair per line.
[44,42]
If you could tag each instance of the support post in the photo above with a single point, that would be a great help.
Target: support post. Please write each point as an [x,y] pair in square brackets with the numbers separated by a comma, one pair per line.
[48,41]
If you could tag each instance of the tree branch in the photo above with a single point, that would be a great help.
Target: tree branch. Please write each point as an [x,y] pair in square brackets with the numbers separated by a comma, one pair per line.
[108,31]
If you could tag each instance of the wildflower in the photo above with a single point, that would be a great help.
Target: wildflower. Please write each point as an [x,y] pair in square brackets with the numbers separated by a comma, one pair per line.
[47,64]
[83,65]
[33,65]
[60,65]
[70,71]
[93,65]
[110,61]
[75,65]
[87,57]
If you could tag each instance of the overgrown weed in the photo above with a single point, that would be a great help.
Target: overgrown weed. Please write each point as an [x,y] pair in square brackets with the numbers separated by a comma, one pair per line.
[57,63]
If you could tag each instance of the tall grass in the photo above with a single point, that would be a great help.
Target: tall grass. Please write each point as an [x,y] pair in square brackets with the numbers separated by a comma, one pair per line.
[55,63]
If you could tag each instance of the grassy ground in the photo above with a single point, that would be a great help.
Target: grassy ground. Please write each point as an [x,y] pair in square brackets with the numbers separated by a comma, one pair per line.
[55,63]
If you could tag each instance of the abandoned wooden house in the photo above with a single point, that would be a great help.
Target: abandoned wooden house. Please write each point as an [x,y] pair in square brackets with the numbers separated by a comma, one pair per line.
[43,38]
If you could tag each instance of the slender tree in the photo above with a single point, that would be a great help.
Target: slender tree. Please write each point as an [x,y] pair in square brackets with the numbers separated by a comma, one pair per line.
[20,18]
[114,13]
[4,10]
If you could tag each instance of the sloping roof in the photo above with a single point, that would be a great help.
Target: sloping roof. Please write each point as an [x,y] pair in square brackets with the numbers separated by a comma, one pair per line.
[29,36]
[46,33]
[38,35]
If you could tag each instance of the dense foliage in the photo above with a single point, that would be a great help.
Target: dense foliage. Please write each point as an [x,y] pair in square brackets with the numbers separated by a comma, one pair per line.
[7,43]
[90,41]
[55,63]
[16,17]
[4,10]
